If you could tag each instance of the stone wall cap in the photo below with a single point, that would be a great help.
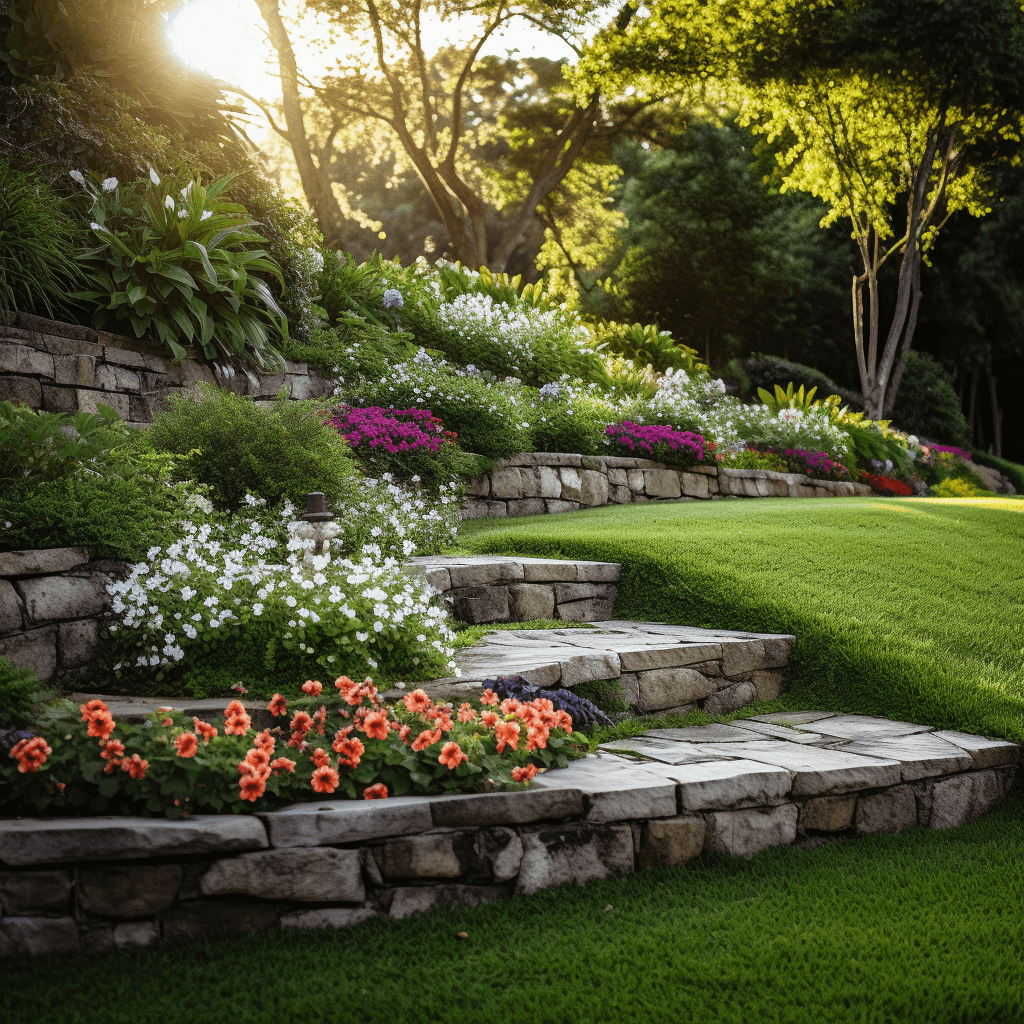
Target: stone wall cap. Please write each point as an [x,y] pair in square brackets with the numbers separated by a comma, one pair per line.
[325,822]
[42,561]
[506,808]
[41,325]
[25,841]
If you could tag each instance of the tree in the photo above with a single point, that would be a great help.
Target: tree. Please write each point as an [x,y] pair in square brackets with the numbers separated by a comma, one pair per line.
[893,113]
[423,101]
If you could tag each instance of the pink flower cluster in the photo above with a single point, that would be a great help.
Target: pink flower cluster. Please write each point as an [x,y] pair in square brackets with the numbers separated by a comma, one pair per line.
[393,430]
[657,441]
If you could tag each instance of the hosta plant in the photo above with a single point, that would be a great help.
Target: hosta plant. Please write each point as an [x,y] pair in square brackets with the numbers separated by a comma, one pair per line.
[342,740]
[179,261]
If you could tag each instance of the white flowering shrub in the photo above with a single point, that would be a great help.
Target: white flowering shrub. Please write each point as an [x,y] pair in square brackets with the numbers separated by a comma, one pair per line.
[231,601]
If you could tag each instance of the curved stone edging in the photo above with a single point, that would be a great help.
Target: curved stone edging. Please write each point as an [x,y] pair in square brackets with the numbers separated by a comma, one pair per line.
[98,884]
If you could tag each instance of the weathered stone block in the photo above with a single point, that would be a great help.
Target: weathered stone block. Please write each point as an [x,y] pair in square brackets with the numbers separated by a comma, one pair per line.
[24,360]
[305,874]
[588,610]
[479,573]
[554,506]
[430,856]
[571,483]
[593,488]
[617,477]
[506,482]
[949,803]
[10,608]
[674,656]
[890,810]
[531,601]
[136,933]
[724,785]
[666,687]
[60,399]
[406,902]
[520,507]
[38,936]
[694,485]
[537,571]
[662,483]
[985,752]
[768,683]
[619,495]
[26,841]
[740,657]
[921,755]
[744,833]
[671,841]
[22,391]
[573,853]
[481,604]
[565,592]
[34,892]
[598,572]
[729,698]
[42,561]
[328,917]
[479,486]
[78,643]
[128,891]
[828,813]
[187,923]
[502,849]
[62,597]
[36,650]
[462,810]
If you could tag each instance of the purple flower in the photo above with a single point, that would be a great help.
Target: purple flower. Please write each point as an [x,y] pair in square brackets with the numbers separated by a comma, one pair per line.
[660,442]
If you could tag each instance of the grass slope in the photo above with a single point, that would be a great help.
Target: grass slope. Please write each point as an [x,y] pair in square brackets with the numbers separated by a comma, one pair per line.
[905,608]
[915,929]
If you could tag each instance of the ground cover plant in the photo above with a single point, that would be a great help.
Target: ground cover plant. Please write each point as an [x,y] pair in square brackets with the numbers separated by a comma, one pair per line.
[912,928]
[902,608]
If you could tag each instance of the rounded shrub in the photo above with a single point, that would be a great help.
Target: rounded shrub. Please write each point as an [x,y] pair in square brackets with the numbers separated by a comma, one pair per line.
[277,450]
[17,685]
[926,403]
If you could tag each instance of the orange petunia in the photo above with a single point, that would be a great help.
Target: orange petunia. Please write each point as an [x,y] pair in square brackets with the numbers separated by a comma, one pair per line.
[452,755]
[403,734]
[339,737]
[509,706]
[257,757]
[320,757]
[91,707]
[185,744]
[251,787]
[320,716]
[282,764]
[426,738]
[416,702]
[466,713]
[264,741]
[525,773]
[378,791]
[349,752]
[236,721]
[313,687]
[507,733]
[301,722]
[489,718]
[375,725]
[537,738]
[135,766]
[489,697]
[278,705]
[31,754]
[324,780]
[204,729]
[112,750]
[563,720]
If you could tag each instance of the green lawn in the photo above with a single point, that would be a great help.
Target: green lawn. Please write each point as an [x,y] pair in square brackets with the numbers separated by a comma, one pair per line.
[923,928]
[908,608]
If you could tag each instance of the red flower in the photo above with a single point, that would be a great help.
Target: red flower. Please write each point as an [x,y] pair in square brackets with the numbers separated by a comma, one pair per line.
[236,721]
[282,764]
[31,754]
[489,718]
[375,725]
[426,738]
[452,755]
[278,705]
[135,766]
[100,721]
[525,773]
[320,757]
[507,733]
[264,741]
[466,713]
[185,744]
[349,752]
[378,791]
[489,697]
[320,716]
[251,787]
[301,722]
[325,780]
[112,750]
[312,687]
[416,702]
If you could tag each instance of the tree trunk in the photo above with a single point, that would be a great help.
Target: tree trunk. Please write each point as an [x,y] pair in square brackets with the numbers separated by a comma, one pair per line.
[997,416]
[315,180]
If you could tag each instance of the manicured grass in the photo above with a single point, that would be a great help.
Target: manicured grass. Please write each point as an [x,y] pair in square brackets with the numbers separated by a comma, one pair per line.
[920,928]
[907,608]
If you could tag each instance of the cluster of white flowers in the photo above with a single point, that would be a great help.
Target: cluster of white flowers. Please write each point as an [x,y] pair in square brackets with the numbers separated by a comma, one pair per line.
[222,580]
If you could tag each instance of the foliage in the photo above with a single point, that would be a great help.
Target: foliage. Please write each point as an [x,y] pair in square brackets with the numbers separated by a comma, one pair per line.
[354,349]
[959,487]
[787,399]
[585,715]
[815,464]
[179,260]
[664,444]
[926,403]
[38,234]
[412,444]
[751,458]
[1011,470]
[606,694]
[178,766]
[235,446]
[645,344]
[353,293]
[764,371]
[566,419]
[17,686]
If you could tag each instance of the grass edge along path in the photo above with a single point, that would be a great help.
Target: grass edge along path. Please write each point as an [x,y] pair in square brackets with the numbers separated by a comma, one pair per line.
[917,928]
[903,608]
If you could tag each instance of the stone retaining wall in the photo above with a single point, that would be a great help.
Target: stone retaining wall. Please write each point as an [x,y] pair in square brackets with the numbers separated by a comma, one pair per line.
[97,884]
[63,368]
[53,605]
[544,482]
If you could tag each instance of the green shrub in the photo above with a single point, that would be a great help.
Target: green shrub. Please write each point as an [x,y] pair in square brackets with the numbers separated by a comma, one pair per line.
[178,260]
[17,685]
[38,236]
[607,694]
[566,426]
[926,403]
[763,371]
[956,486]
[352,351]
[276,451]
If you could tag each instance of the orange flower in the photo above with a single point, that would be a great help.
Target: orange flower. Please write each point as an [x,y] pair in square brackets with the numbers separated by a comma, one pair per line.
[403,734]
[425,738]
[282,764]
[301,722]
[251,787]
[312,687]
[204,729]
[378,791]
[325,780]
[563,720]
[91,707]
[339,737]
[258,769]
[31,754]
[320,716]
[320,757]
[257,757]
[489,718]
[375,725]
[525,773]
[507,733]
[236,721]
[264,741]
[349,752]
[97,715]
[489,697]
[466,713]
[278,705]
[509,706]
[345,687]
[167,722]
[452,755]
[416,702]
[135,766]
[536,739]
[112,750]
[234,709]
[185,744]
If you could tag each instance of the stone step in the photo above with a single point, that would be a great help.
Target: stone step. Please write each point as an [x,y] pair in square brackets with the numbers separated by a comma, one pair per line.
[496,588]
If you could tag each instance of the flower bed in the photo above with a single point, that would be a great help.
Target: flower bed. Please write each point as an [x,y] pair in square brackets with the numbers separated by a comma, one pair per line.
[177,766]
[887,486]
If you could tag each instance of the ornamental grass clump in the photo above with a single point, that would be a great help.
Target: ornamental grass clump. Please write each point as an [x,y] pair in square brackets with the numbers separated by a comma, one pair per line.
[346,741]
[653,441]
